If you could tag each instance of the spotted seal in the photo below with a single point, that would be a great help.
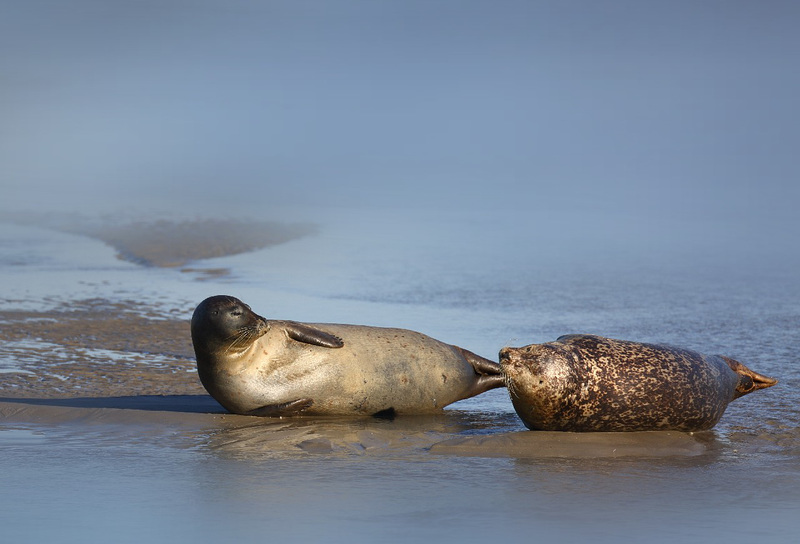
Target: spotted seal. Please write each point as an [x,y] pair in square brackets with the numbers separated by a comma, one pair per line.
[591,383]
[255,366]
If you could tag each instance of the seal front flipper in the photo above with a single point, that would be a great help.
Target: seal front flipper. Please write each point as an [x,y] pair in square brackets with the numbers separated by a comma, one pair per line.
[310,335]
[291,408]
[482,384]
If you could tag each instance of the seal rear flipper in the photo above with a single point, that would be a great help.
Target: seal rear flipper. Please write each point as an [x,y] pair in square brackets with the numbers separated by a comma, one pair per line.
[291,408]
[483,367]
[311,335]
[484,384]
[749,381]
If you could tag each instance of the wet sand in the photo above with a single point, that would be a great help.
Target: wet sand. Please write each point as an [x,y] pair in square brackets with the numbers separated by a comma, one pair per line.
[451,433]
[97,348]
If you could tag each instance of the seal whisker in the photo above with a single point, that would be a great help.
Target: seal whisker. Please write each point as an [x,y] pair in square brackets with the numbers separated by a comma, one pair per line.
[233,344]
[511,385]
[241,338]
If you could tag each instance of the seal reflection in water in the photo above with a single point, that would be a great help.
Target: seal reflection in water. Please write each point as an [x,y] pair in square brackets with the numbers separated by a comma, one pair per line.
[255,366]
[591,383]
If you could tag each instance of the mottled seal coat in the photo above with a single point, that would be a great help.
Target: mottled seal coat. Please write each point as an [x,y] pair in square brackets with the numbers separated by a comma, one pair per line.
[592,383]
[256,366]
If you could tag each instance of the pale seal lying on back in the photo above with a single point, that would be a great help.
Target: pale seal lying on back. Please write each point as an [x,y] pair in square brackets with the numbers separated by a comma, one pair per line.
[255,366]
[591,383]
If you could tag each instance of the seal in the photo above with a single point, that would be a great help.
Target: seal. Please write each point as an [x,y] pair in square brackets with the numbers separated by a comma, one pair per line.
[255,366]
[591,383]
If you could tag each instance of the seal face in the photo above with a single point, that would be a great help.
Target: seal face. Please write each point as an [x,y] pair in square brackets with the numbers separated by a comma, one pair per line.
[256,366]
[592,383]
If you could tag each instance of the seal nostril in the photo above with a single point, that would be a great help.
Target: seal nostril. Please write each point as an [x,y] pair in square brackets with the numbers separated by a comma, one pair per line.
[505,355]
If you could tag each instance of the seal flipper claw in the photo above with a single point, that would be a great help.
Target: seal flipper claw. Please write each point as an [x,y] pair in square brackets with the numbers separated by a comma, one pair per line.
[291,408]
[311,335]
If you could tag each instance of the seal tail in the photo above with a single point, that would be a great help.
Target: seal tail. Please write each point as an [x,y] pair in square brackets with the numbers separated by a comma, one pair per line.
[749,381]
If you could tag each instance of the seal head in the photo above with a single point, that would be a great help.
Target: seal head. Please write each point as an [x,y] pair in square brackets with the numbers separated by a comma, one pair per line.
[540,381]
[224,324]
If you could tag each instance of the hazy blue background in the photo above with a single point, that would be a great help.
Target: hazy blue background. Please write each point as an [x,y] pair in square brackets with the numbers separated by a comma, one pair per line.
[676,110]
[490,173]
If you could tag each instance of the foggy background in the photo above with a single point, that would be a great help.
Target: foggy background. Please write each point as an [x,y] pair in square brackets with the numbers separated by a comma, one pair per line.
[682,110]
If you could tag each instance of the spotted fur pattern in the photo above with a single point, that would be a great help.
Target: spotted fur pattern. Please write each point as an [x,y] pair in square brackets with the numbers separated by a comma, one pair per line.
[592,383]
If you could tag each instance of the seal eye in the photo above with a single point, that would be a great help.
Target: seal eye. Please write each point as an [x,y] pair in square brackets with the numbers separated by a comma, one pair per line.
[236,313]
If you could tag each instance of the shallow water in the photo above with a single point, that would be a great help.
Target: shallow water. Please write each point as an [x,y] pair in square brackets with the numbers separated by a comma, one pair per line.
[88,340]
